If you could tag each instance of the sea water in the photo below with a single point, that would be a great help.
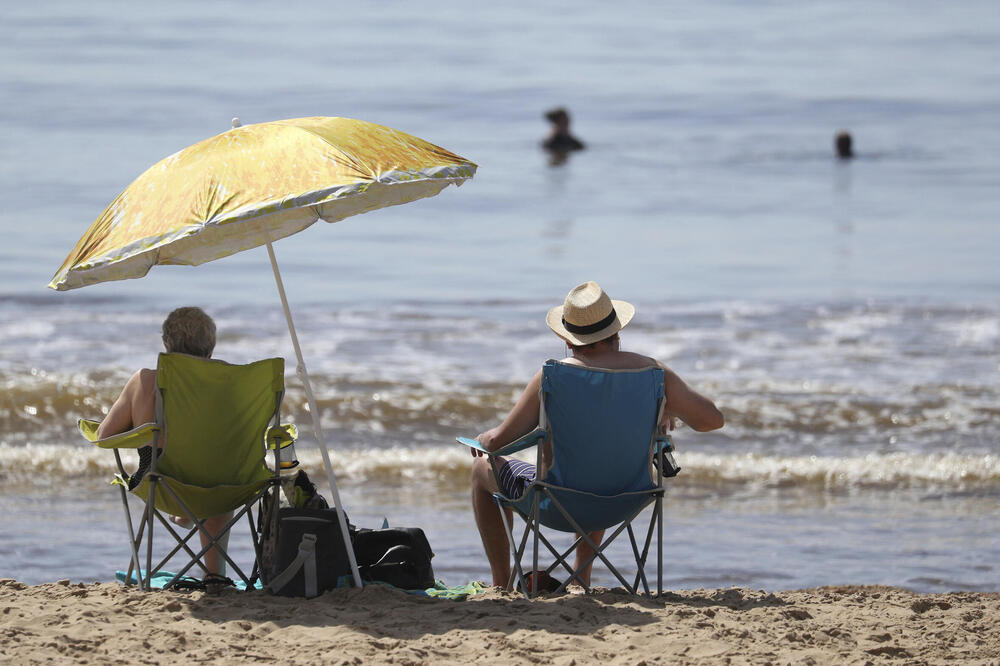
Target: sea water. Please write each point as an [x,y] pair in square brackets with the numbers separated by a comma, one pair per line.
[843,315]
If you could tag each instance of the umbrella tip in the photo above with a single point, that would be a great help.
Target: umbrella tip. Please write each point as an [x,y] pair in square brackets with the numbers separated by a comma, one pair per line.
[237,123]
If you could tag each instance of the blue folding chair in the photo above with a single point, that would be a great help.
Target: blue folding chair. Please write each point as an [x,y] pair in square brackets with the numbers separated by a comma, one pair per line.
[608,465]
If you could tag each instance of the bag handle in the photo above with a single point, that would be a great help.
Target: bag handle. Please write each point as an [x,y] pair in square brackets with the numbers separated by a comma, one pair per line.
[306,558]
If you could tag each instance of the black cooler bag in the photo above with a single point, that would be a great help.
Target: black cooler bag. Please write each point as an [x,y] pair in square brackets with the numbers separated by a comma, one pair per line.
[308,555]
[400,556]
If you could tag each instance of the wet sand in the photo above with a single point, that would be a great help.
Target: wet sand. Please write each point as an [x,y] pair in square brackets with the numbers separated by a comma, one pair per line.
[68,622]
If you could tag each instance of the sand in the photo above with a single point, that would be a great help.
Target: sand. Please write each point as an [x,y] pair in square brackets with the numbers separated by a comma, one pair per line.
[68,622]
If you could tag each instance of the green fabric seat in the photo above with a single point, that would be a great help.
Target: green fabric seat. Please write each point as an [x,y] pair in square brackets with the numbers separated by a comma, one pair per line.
[215,424]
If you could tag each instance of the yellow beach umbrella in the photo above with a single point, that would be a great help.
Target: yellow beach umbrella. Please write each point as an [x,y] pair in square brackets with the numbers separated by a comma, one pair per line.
[253,185]
[237,190]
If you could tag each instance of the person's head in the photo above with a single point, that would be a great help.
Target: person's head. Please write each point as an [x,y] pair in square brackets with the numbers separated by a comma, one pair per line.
[589,318]
[843,144]
[189,331]
[558,117]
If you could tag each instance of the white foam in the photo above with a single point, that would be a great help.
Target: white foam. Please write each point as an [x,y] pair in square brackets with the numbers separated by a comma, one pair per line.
[450,464]
[973,332]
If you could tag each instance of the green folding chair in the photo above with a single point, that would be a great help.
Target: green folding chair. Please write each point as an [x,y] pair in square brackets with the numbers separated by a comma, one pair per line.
[219,421]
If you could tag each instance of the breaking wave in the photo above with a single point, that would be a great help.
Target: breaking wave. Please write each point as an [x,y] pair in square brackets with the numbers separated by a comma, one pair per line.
[447,465]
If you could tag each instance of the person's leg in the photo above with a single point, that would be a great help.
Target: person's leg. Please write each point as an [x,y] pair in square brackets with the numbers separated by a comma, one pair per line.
[489,520]
[214,560]
[583,552]
[186,523]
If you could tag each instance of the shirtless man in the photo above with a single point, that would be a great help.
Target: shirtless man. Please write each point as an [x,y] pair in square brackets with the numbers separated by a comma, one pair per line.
[188,331]
[589,322]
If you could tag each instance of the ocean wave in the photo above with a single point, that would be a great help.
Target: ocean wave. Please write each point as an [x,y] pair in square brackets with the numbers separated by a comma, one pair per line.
[447,465]
[791,378]
[42,408]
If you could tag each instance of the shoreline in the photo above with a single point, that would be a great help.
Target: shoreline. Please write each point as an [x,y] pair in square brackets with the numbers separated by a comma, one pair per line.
[102,623]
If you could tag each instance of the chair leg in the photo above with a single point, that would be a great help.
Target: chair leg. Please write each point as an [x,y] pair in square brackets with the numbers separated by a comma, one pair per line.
[518,555]
[534,556]
[647,543]
[533,528]
[659,546]
[226,531]
[150,509]
[255,571]
[640,562]
[522,547]
[133,548]
[513,550]
[137,565]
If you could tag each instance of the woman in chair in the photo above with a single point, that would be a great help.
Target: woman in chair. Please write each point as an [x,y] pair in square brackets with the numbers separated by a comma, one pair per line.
[186,330]
[589,321]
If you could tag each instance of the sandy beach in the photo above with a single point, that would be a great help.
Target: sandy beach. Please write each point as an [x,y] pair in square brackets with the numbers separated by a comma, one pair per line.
[67,622]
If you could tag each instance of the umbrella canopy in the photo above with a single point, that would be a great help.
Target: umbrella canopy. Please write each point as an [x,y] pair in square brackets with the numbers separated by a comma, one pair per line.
[252,184]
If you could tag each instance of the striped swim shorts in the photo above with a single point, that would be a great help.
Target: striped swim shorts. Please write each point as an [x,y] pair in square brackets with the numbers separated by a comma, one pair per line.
[515,477]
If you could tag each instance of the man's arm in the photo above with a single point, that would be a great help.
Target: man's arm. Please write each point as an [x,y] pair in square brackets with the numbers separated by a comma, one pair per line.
[688,405]
[521,420]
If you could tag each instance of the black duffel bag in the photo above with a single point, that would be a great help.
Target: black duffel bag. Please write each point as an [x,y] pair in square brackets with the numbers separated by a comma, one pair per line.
[400,556]
[306,556]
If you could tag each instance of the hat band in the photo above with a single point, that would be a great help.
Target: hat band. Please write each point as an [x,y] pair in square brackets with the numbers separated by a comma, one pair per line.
[590,328]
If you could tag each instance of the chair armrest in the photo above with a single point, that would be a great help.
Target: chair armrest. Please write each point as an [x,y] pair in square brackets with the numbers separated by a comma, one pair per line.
[280,436]
[130,439]
[525,442]
[472,444]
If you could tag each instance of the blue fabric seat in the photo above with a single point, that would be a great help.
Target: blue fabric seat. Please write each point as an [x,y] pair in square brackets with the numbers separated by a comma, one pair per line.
[602,429]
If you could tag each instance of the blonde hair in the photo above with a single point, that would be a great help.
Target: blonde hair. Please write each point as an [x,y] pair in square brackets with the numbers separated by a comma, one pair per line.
[189,331]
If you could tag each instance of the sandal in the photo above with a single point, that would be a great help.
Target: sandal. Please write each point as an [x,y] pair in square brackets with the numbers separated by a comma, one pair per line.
[216,583]
[187,583]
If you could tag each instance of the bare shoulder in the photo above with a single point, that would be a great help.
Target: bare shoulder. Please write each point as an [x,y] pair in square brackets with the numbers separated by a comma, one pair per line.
[670,377]
[639,361]
[145,377]
[142,382]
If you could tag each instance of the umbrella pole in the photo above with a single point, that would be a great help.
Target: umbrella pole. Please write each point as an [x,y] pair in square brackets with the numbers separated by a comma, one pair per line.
[300,370]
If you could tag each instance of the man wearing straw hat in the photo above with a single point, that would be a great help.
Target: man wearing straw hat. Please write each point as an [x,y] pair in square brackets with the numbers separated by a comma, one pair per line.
[589,322]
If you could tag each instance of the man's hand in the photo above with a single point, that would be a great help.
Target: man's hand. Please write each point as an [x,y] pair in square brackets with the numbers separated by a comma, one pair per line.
[483,438]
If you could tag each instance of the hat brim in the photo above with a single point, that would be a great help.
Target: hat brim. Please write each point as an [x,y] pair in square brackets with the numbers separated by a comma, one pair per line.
[624,311]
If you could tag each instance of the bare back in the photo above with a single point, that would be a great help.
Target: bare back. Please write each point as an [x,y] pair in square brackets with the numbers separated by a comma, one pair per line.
[683,402]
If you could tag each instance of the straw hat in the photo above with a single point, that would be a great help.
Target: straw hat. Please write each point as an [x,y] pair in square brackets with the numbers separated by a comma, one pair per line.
[588,315]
